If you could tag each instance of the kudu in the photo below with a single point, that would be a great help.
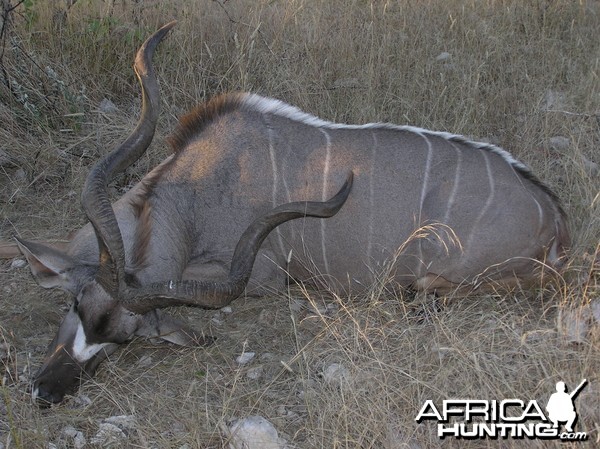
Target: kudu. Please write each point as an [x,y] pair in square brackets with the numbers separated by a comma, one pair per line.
[196,230]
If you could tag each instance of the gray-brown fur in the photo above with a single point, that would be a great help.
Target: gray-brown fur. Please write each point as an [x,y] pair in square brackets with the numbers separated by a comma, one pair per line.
[234,167]
[434,210]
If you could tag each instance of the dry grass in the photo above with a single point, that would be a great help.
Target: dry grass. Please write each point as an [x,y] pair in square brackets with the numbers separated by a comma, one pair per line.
[519,74]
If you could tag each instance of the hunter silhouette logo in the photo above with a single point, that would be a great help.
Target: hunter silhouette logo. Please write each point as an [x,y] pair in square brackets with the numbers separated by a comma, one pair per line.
[560,407]
[508,418]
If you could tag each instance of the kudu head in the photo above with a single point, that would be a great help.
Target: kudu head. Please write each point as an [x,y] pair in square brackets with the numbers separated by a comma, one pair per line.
[110,306]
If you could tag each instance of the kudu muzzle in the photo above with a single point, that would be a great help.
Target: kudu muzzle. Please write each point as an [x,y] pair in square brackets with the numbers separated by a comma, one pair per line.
[61,373]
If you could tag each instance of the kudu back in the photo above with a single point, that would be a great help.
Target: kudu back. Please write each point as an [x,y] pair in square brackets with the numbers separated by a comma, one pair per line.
[230,211]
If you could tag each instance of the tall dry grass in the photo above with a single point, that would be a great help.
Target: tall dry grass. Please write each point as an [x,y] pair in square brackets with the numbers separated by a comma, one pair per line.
[519,74]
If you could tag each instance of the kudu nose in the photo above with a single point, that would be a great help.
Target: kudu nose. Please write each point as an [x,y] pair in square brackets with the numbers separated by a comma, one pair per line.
[44,397]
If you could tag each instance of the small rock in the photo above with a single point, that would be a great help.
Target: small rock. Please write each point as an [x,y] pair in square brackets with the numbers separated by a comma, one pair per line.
[443,56]
[82,400]
[287,414]
[5,159]
[254,372]
[227,309]
[107,107]
[589,166]
[559,143]
[554,100]
[4,351]
[108,434]
[595,306]
[145,361]
[124,422]
[76,435]
[20,176]
[245,357]
[253,432]
[178,429]
[346,83]
[336,374]
[18,263]
[573,324]
[267,357]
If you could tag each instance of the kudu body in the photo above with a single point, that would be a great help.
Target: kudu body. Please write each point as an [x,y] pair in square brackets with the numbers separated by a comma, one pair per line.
[197,229]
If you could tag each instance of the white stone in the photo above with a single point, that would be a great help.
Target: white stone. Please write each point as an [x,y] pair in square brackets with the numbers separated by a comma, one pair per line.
[336,374]
[5,159]
[107,107]
[590,166]
[124,422]
[559,142]
[83,400]
[554,100]
[443,56]
[227,309]
[79,441]
[245,357]
[108,434]
[254,372]
[253,432]
[4,350]
[18,263]
[573,324]
[595,306]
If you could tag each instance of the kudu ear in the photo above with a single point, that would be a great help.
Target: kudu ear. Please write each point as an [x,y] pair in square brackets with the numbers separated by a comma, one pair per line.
[161,325]
[53,268]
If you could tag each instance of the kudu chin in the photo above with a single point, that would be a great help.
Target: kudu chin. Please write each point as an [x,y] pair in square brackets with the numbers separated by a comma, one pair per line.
[229,213]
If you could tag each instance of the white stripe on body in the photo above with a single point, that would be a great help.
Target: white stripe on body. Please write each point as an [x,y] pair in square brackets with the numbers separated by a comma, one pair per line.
[487,204]
[324,195]
[275,180]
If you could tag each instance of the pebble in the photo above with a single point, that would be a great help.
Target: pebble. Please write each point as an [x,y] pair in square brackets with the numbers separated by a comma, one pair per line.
[108,434]
[113,430]
[79,441]
[559,142]
[573,324]
[245,357]
[18,263]
[254,372]
[107,107]
[590,166]
[336,374]
[125,422]
[4,350]
[253,432]
[595,305]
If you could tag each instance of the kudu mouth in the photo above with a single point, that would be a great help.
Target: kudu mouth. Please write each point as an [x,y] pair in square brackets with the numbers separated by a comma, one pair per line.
[61,375]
